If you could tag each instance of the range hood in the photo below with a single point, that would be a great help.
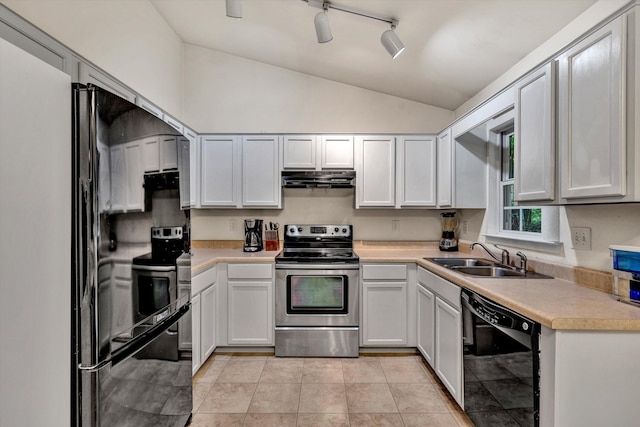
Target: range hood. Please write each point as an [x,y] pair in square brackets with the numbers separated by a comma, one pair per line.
[319,179]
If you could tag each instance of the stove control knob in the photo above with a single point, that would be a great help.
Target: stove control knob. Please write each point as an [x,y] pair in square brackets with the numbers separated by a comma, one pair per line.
[335,230]
[292,230]
[300,229]
[344,230]
[525,326]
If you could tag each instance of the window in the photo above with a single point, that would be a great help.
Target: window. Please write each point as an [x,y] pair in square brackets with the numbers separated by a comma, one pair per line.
[514,219]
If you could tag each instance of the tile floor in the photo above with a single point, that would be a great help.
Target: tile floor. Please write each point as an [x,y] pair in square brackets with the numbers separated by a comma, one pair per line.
[368,391]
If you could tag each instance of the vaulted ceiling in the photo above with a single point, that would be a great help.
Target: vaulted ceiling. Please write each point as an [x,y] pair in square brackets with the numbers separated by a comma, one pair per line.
[454,48]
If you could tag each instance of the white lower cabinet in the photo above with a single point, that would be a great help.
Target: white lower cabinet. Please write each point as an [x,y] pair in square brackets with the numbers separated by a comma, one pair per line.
[122,313]
[440,329]
[196,311]
[426,320]
[448,347]
[203,318]
[387,319]
[250,304]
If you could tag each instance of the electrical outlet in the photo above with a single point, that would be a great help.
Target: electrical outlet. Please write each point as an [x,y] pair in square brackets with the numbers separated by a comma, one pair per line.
[395,225]
[233,225]
[581,238]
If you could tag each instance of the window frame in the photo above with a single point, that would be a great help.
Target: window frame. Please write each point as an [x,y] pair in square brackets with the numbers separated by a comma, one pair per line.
[549,237]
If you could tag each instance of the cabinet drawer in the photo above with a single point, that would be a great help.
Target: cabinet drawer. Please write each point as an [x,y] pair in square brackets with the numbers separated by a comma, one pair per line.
[122,270]
[250,271]
[384,272]
[203,280]
[445,289]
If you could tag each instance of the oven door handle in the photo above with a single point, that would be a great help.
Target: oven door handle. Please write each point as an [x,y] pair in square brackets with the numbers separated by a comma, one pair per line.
[153,268]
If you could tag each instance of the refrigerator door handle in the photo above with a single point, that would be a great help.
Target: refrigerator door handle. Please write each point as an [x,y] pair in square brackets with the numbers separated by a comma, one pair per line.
[138,343]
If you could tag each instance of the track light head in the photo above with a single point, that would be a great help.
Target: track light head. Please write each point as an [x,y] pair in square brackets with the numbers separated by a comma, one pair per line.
[323,30]
[392,42]
[234,8]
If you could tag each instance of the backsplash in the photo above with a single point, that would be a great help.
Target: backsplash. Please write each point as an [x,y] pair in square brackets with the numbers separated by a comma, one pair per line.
[319,206]
[136,227]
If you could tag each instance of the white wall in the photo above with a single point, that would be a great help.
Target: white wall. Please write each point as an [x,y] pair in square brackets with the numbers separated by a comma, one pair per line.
[128,39]
[585,21]
[312,206]
[229,94]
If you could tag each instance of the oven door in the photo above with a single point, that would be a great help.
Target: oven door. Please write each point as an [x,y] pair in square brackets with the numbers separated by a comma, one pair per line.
[321,295]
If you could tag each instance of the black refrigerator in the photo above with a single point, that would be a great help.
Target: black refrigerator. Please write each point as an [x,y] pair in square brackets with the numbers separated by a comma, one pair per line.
[121,376]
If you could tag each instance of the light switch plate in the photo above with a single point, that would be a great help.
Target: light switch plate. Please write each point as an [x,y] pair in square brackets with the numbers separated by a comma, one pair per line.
[581,238]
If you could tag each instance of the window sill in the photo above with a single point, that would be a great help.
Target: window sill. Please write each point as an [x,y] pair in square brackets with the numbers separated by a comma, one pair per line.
[524,242]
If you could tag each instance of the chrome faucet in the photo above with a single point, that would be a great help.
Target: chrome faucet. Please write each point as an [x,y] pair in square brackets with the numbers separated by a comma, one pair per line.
[523,262]
[504,255]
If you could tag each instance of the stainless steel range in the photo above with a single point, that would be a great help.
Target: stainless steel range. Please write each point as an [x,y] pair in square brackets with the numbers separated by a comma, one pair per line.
[317,288]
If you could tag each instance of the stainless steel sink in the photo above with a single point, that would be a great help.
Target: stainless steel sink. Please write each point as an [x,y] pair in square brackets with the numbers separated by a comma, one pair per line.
[480,267]
[488,271]
[462,262]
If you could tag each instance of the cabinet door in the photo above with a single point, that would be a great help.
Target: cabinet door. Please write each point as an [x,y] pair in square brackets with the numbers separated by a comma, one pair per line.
[535,148]
[122,310]
[384,313]
[104,177]
[336,152]
[150,154]
[185,335]
[220,174]
[184,171]
[445,169]
[207,322]
[135,177]
[416,171]
[375,171]
[299,152]
[196,314]
[261,171]
[250,314]
[194,170]
[448,348]
[591,116]
[168,153]
[118,178]
[426,323]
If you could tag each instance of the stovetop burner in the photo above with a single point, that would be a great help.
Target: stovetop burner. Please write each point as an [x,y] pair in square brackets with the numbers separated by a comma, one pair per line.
[318,243]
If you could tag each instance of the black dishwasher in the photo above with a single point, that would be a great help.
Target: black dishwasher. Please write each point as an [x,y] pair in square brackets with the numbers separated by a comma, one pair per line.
[501,364]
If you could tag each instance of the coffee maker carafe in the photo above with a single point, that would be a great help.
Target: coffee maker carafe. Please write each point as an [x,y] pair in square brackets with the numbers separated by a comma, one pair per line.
[448,242]
[252,235]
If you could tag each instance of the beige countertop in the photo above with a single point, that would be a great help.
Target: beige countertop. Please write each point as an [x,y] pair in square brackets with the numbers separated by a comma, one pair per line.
[555,303]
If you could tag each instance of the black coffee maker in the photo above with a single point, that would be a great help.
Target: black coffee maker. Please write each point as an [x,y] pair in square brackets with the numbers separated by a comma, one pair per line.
[252,235]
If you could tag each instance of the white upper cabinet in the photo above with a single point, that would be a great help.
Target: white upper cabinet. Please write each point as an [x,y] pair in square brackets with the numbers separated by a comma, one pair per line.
[416,171]
[445,169]
[150,107]
[134,177]
[220,171]
[534,125]
[375,171]
[299,151]
[313,152]
[184,169]
[336,152]
[127,176]
[591,119]
[261,171]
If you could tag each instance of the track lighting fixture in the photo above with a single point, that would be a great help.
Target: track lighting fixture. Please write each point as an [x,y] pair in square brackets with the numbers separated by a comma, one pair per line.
[323,30]
[234,8]
[392,42]
[389,39]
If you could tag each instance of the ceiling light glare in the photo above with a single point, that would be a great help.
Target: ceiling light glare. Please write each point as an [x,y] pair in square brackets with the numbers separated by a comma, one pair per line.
[392,42]
[234,8]
[323,30]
